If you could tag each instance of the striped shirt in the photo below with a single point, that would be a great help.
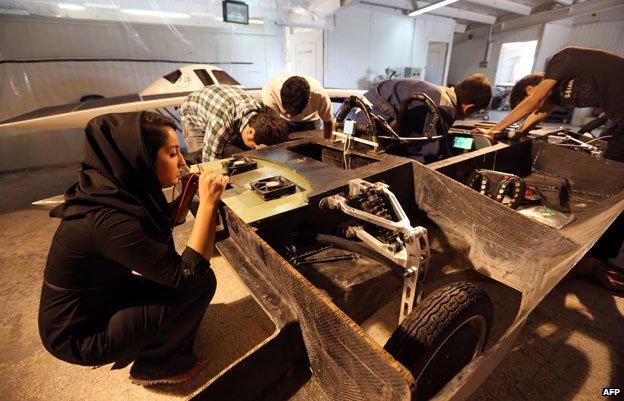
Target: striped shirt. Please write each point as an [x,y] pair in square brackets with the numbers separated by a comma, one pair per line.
[214,116]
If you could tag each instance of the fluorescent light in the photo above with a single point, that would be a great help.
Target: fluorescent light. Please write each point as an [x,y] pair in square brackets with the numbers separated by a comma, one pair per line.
[154,13]
[256,21]
[68,6]
[431,7]
[102,6]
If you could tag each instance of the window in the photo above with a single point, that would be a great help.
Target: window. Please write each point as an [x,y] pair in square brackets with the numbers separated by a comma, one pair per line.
[516,61]
[173,76]
[224,78]
[204,77]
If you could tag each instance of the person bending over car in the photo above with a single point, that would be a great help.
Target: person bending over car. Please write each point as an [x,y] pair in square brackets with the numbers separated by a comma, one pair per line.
[221,120]
[115,220]
[574,77]
[579,77]
[468,97]
[301,100]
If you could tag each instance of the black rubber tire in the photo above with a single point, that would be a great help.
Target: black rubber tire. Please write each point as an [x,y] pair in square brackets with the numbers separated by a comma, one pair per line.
[442,335]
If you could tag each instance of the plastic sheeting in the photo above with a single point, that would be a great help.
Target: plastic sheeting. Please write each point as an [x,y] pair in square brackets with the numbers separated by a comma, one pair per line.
[42,61]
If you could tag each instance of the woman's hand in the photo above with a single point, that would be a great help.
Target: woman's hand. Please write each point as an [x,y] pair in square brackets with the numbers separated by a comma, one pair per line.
[211,187]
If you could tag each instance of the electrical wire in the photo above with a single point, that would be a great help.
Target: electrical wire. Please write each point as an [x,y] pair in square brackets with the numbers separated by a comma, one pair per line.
[184,192]
[346,150]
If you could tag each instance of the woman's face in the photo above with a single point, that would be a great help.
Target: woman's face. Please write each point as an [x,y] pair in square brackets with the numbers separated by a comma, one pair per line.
[169,160]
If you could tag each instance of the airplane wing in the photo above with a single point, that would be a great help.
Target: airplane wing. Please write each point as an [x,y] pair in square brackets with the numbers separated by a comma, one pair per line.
[77,115]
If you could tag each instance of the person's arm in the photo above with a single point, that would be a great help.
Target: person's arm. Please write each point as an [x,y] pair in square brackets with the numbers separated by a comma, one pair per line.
[123,239]
[269,98]
[530,104]
[532,120]
[328,128]
[211,187]
[193,127]
[324,111]
[215,136]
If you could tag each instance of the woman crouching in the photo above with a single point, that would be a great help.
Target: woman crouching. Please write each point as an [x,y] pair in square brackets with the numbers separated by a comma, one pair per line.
[115,220]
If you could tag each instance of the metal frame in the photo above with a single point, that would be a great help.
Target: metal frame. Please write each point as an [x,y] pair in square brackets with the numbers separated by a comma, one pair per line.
[413,253]
[578,144]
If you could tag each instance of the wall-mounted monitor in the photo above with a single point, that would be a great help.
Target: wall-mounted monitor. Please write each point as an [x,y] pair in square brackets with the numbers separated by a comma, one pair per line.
[235,11]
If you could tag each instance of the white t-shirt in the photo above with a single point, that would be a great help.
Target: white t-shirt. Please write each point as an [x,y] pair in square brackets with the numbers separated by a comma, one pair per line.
[319,105]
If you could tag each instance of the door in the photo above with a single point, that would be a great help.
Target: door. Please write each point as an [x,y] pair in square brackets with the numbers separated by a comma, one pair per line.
[306,48]
[436,62]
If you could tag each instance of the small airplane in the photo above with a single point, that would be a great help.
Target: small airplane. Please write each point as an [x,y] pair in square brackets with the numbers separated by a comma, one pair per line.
[164,93]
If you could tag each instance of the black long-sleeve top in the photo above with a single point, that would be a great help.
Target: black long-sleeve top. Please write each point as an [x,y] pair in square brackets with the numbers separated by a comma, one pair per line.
[91,259]
[104,247]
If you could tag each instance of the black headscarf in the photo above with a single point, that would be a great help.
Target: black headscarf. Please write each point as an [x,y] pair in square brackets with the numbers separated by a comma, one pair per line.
[117,173]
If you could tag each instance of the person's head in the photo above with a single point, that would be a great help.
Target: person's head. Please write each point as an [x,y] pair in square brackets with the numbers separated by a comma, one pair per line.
[265,127]
[162,146]
[295,94]
[524,88]
[473,94]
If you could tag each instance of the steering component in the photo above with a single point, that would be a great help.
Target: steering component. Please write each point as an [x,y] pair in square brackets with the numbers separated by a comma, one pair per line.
[375,205]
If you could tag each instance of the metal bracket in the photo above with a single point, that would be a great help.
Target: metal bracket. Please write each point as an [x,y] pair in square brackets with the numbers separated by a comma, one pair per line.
[591,149]
[575,143]
[412,251]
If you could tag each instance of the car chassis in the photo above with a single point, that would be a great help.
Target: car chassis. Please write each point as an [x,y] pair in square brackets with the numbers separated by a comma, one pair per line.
[322,314]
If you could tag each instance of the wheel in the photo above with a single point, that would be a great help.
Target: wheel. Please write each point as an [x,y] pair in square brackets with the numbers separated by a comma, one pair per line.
[446,331]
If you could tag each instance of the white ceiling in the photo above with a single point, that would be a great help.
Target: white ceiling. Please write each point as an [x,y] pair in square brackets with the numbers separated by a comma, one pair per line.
[468,13]
[186,12]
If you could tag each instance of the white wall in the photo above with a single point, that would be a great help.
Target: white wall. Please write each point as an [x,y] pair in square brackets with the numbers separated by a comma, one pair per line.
[367,39]
[305,52]
[554,37]
[467,54]
[26,87]
[347,49]
[608,35]
[604,30]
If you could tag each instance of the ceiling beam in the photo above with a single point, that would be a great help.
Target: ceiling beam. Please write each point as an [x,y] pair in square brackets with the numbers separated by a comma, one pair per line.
[461,14]
[586,7]
[460,28]
[396,4]
[505,5]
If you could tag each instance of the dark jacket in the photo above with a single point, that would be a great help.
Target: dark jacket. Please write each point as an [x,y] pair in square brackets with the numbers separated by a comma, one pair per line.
[387,98]
[115,220]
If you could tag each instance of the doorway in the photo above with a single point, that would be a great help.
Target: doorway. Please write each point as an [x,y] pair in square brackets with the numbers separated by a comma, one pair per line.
[305,52]
[436,62]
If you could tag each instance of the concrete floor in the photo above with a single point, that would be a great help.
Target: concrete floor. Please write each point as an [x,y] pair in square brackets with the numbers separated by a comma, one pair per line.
[571,347]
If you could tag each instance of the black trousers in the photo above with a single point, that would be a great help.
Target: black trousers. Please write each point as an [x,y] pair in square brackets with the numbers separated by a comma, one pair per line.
[608,246]
[142,321]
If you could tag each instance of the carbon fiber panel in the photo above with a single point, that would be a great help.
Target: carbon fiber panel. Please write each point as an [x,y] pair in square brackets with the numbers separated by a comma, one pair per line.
[348,365]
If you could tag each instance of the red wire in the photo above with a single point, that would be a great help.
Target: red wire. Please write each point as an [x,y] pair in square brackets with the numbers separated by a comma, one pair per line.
[179,206]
